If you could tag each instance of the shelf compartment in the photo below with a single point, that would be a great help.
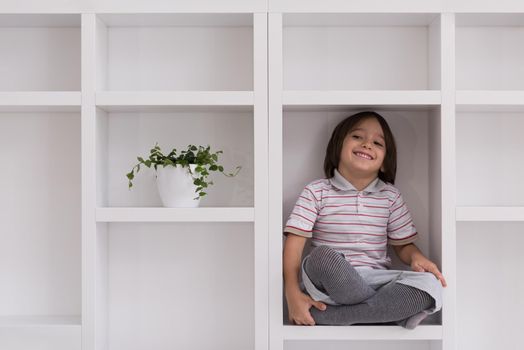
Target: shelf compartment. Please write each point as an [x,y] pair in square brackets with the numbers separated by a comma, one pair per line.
[305,134]
[489,267]
[488,149]
[41,250]
[490,213]
[361,51]
[361,332]
[341,98]
[41,52]
[201,214]
[489,51]
[160,280]
[124,135]
[178,51]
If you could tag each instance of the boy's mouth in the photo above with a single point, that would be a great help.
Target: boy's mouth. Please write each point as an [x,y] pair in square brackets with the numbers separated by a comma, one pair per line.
[363,155]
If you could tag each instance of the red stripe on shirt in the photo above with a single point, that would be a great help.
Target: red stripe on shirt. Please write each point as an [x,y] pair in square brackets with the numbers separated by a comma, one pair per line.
[305,198]
[398,228]
[394,210]
[302,216]
[351,233]
[312,194]
[375,206]
[355,214]
[349,223]
[401,216]
[341,205]
[301,206]
[340,196]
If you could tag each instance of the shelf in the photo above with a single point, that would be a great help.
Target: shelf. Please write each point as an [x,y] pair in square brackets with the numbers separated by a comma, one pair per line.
[346,98]
[326,51]
[490,213]
[175,100]
[39,321]
[489,266]
[490,100]
[201,214]
[489,147]
[178,51]
[489,51]
[319,332]
[44,101]
[40,52]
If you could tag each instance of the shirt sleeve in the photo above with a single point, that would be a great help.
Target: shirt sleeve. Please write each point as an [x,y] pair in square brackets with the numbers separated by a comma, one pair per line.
[401,229]
[304,214]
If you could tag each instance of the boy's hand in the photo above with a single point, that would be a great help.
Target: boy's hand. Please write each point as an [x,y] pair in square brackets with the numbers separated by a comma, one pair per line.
[298,306]
[420,263]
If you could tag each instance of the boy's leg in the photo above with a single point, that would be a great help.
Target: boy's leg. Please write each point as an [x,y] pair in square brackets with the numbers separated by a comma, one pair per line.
[331,272]
[393,302]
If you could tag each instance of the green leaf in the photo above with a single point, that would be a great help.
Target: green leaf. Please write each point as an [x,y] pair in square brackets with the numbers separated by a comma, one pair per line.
[140,159]
[220,168]
[213,167]
[202,194]
[130,176]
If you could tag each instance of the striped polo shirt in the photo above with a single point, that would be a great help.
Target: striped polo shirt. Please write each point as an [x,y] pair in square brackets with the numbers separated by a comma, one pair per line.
[358,224]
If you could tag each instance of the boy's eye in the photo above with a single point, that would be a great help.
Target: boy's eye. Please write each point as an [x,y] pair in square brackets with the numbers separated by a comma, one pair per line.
[378,143]
[356,136]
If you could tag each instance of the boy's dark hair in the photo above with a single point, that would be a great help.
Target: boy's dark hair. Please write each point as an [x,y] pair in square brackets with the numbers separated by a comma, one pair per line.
[334,146]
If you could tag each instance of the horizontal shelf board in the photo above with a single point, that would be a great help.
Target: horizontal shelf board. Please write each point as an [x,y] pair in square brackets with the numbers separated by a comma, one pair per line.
[201,214]
[490,214]
[39,321]
[489,19]
[489,100]
[358,19]
[39,20]
[319,332]
[355,6]
[177,19]
[40,100]
[118,100]
[357,97]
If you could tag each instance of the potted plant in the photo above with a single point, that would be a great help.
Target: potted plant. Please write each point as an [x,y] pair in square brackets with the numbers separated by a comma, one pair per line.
[179,177]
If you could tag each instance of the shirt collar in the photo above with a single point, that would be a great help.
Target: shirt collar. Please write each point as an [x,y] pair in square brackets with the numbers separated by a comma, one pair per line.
[342,183]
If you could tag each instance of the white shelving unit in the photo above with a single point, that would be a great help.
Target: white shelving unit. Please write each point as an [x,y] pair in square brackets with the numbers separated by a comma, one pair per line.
[86,86]
[40,235]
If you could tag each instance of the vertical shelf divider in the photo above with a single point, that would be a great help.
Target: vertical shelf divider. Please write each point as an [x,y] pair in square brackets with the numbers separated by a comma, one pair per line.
[260,134]
[88,181]
[276,340]
[448,173]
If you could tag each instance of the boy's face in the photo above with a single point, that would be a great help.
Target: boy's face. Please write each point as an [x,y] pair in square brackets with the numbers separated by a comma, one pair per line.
[364,149]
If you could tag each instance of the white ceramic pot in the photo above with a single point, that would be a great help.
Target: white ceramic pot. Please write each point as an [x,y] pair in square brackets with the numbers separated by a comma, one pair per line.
[175,186]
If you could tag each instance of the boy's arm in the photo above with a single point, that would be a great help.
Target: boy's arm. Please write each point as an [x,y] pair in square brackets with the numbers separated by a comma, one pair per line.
[411,255]
[299,303]
[292,258]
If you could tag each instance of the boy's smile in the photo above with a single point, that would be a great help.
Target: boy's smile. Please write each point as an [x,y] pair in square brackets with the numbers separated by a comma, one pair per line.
[363,152]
